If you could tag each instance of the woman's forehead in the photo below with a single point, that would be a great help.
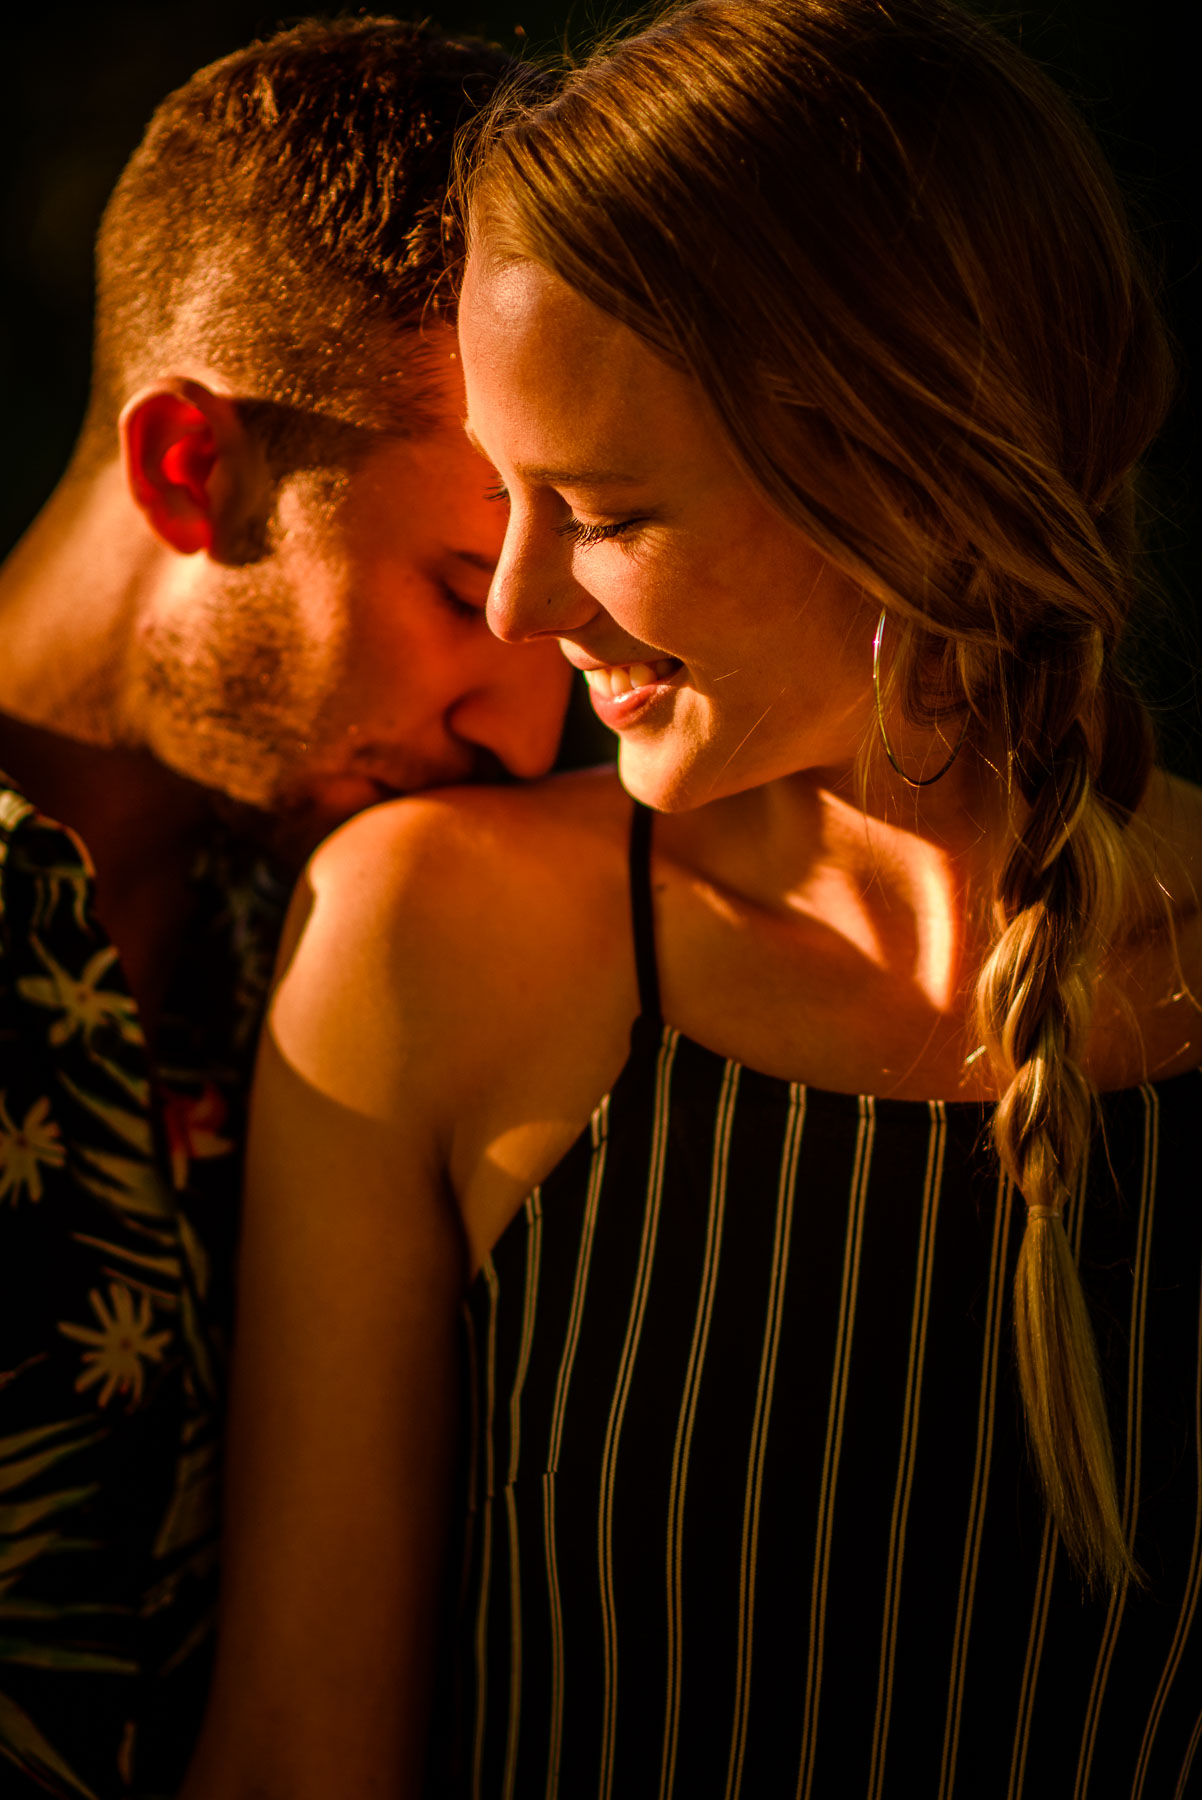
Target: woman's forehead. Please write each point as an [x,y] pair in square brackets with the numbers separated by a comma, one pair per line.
[523,303]
[547,367]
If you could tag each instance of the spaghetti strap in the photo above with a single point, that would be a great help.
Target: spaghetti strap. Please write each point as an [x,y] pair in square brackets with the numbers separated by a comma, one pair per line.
[642,914]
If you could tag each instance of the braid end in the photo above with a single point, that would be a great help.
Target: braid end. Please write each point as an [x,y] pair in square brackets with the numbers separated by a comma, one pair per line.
[1065,1407]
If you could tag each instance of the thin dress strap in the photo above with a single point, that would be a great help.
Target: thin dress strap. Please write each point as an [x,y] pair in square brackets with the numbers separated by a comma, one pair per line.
[642,913]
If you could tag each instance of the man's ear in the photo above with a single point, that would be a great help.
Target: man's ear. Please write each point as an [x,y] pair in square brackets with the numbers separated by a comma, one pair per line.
[188,465]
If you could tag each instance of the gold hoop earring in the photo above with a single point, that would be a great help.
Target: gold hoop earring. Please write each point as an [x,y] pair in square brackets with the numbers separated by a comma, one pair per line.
[910,781]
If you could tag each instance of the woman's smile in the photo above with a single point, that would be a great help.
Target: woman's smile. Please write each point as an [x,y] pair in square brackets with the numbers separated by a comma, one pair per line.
[622,693]
[697,612]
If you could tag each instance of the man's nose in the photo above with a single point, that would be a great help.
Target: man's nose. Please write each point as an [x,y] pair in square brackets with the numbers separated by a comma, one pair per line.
[515,709]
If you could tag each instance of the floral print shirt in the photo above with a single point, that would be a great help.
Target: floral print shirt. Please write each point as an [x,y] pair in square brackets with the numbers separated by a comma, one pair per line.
[119,1185]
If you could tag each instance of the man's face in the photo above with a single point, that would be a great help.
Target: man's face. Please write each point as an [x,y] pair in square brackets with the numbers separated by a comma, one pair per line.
[354,661]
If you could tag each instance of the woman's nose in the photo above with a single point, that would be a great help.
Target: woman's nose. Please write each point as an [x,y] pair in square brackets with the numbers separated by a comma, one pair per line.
[533,592]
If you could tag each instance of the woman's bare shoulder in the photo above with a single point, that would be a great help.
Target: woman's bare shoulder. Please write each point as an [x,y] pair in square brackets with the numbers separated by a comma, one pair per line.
[1169,829]
[1172,813]
[445,946]
[453,906]
[434,848]
[1158,969]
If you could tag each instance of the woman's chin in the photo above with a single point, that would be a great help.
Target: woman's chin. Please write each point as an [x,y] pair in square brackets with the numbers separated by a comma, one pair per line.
[668,783]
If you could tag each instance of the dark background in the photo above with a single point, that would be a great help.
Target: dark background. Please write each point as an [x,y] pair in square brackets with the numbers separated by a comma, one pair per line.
[78,83]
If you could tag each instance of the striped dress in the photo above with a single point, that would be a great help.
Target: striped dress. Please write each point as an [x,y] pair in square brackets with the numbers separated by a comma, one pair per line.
[748,1510]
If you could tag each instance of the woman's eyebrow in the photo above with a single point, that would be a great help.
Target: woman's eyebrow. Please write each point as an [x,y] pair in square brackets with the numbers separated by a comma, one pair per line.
[581,478]
[562,477]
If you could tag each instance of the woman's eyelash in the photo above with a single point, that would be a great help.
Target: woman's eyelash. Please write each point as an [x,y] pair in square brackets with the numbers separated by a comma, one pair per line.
[584,535]
[576,529]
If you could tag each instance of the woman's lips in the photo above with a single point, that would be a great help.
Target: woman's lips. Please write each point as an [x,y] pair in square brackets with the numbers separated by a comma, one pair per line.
[612,680]
[621,692]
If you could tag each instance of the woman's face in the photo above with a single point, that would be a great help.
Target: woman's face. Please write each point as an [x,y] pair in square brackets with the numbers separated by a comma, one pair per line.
[715,639]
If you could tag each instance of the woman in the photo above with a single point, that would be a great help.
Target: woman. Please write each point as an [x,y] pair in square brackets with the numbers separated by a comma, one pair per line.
[809,346]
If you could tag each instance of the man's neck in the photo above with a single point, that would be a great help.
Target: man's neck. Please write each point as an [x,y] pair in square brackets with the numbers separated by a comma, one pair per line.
[70,597]
[69,607]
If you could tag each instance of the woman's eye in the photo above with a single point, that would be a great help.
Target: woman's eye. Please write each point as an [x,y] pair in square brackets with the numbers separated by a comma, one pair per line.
[496,493]
[584,535]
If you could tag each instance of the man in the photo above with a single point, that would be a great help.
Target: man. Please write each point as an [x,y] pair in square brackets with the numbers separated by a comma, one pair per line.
[253,605]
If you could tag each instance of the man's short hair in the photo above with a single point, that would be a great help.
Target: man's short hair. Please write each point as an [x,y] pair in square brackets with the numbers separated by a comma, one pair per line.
[283,221]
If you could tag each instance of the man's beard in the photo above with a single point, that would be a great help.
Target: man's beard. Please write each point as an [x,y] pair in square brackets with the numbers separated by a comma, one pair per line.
[239,697]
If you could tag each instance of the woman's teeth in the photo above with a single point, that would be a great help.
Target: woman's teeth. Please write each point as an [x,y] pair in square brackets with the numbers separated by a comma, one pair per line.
[622,678]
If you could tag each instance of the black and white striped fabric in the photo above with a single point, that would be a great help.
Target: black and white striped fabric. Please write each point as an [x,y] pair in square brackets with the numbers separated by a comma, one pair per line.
[749,1512]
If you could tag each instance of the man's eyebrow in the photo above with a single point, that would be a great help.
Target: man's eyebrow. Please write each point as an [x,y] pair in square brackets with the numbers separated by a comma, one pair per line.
[475,560]
[543,474]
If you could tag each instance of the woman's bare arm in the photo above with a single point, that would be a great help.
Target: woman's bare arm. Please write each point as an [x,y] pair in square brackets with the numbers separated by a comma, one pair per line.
[343,1412]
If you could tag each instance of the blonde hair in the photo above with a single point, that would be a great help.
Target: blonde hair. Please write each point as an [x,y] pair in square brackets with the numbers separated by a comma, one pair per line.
[892,255]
